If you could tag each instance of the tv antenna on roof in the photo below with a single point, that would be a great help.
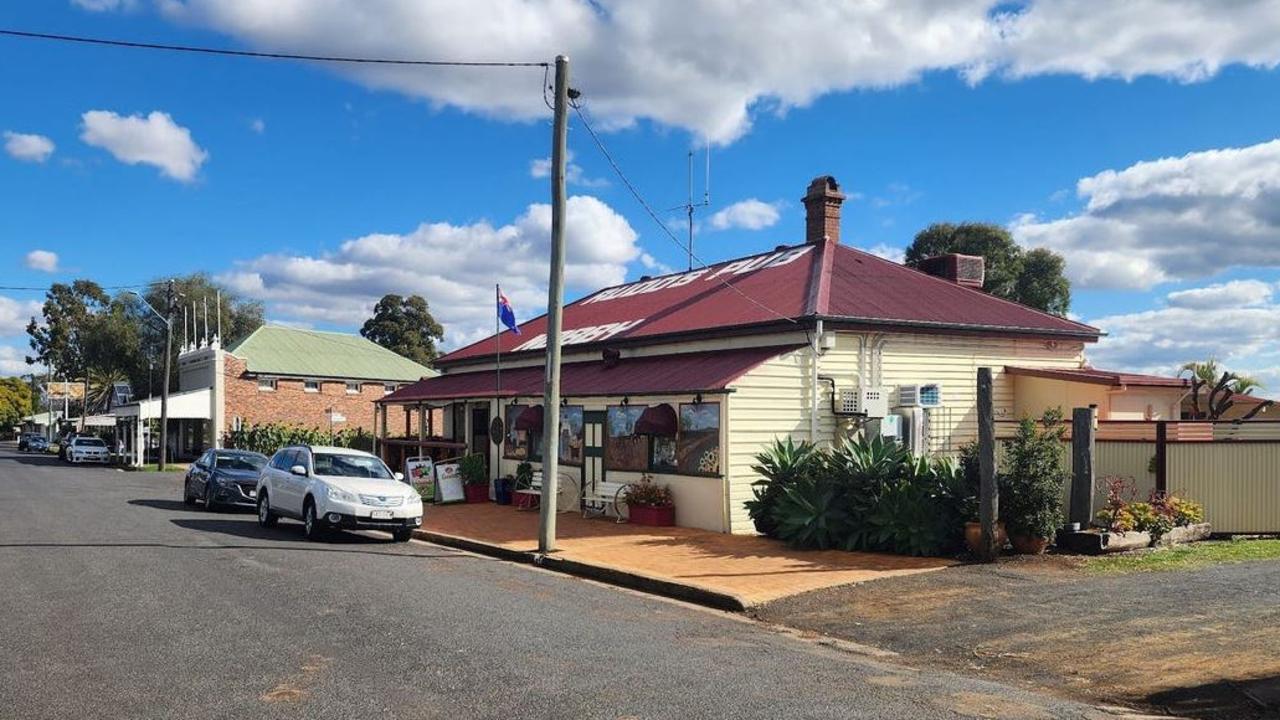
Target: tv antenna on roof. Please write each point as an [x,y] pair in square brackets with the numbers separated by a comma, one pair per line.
[690,205]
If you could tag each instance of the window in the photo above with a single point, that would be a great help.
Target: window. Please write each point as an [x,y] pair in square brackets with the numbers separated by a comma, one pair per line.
[266,384]
[247,462]
[515,446]
[572,440]
[388,388]
[698,446]
[623,448]
[357,466]
[353,388]
[311,385]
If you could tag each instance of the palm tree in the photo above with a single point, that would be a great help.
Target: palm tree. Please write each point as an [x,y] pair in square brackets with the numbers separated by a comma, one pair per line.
[101,385]
[1246,384]
[1222,385]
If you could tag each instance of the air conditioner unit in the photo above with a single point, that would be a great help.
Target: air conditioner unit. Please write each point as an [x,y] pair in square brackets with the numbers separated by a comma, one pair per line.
[926,395]
[915,430]
[866,402]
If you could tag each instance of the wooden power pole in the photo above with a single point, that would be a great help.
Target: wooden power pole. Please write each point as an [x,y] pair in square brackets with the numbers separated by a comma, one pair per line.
[988,492]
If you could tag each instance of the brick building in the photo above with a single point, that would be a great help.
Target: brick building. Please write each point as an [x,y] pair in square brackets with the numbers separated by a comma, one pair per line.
[277,374]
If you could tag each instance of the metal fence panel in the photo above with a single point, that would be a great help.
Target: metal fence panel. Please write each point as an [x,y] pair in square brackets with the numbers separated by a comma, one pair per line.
[1237,482]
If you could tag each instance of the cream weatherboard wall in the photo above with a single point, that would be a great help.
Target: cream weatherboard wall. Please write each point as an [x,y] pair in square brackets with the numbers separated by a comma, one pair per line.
[773,400]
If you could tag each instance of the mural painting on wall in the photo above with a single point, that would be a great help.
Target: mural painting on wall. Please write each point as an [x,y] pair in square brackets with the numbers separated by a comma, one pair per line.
[571,435]
[699,448]
[624,449]
[516,444]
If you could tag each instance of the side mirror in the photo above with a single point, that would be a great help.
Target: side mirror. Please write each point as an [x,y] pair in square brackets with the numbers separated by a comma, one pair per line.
[299,470]
[400,476]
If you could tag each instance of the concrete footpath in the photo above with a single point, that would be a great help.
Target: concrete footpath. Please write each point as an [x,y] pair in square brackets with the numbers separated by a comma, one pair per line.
[729,572]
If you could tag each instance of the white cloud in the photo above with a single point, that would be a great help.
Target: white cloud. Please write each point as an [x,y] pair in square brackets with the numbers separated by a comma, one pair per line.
[15,314]
[13,361]
[42,260]
[888,252]
[105,5]
[258,125]
[1237,293]
[1175,218]
[453,266]
[540,169]
[749,214]
[28,148]
[152,140]
[708,65]
[1197,324]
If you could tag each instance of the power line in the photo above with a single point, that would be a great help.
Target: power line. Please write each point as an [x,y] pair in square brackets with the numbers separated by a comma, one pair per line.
[262,55]
[103,287]
[654,215]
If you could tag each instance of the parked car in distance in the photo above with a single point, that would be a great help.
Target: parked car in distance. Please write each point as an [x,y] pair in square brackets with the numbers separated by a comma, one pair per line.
[224,478]
[24,441]
[332,487]
[38,443]
[86,448]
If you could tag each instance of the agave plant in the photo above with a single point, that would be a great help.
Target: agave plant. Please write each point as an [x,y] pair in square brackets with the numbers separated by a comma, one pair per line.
[780,466]
[809,513]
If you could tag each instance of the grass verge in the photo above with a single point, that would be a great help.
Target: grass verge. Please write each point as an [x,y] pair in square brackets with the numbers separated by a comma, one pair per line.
[152,467]
[1186,557]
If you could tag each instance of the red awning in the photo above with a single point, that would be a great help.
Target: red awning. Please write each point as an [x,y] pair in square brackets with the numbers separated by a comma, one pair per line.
[530,420]
[657,419]
[656,375]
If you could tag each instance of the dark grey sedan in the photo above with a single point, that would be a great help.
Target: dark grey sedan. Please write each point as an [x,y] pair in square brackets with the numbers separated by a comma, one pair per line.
[223,478]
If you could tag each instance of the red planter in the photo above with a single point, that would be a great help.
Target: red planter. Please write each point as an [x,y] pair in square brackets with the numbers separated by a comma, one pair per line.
[653,516]
[476,493]
[1027,545]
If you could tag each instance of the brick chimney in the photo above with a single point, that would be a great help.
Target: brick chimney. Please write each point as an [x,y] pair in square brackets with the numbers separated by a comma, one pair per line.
[822,211]
[966,270]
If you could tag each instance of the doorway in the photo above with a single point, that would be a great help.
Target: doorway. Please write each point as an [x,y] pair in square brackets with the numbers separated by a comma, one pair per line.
[480,432]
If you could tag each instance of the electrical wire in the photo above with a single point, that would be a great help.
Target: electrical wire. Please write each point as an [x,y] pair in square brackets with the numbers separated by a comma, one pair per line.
[262,55]
[654,215]
[103,287]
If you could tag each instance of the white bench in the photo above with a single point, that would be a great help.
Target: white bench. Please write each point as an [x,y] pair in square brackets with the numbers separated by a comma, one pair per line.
[601,496]
[533,493]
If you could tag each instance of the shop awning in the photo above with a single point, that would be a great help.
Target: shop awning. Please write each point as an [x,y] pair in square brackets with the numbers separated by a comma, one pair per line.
[530,420]
[655,375]
[657,419]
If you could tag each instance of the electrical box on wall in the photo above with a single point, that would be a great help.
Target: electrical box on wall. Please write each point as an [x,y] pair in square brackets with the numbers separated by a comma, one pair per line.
[926,395]
[867,402]
[889,427]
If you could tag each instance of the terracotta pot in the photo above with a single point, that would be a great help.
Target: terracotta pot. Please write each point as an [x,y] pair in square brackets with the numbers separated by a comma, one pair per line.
[1029,545]
[476,493]
[973,536]
[652,516]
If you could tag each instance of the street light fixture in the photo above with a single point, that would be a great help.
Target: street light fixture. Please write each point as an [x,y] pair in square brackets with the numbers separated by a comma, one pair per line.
[167,319]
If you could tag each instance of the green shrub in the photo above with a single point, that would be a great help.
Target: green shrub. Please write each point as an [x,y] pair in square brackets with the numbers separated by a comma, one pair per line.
[809,514]
[472,470]
[1186,512]
[648,493]
[1032,478]
[781,466]
[524,476]
[267,438]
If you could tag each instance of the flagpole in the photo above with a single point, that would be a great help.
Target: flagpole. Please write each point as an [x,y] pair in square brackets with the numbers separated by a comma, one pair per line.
[497,340]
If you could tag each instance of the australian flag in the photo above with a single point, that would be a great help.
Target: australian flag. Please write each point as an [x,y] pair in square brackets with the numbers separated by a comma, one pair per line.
[506,314]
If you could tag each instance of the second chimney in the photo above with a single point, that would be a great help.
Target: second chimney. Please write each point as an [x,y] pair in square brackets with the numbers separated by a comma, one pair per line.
[966,270]
[822,211]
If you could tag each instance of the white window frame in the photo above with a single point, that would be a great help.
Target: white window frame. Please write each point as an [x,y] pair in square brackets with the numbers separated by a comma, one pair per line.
[308,382]
[388,388]
[353,387]
[266,383]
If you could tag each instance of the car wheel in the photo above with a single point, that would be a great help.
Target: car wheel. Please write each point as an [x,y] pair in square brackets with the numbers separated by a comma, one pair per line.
[210,505]
[187,498]
[266,518]
[312,528]
[402,535]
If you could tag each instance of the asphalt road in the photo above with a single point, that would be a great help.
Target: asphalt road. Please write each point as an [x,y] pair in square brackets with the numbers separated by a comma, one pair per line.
[116,601]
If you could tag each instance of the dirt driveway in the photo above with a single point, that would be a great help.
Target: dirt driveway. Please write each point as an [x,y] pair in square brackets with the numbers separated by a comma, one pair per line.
[1198,643]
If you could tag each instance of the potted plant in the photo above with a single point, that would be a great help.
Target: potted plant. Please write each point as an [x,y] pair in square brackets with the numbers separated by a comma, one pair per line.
[969,504]
[649,503]
[1031,483]
[475,481]
[523,481]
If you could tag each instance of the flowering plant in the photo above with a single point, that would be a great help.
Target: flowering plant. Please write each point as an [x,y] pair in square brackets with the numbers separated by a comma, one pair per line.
[648,493]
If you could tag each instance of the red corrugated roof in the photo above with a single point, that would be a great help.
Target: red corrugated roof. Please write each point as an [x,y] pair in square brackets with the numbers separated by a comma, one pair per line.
[662,374]
[826,280]
[1099,377]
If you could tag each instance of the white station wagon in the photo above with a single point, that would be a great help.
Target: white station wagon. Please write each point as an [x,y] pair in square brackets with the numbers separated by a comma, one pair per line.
[331,487]
[84,448]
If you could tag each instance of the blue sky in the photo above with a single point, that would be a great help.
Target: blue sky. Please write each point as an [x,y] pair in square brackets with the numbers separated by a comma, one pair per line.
[427,176]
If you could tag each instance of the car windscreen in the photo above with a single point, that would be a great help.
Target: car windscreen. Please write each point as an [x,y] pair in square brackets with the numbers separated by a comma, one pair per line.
[342,465]
[252,463]
[90,442]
